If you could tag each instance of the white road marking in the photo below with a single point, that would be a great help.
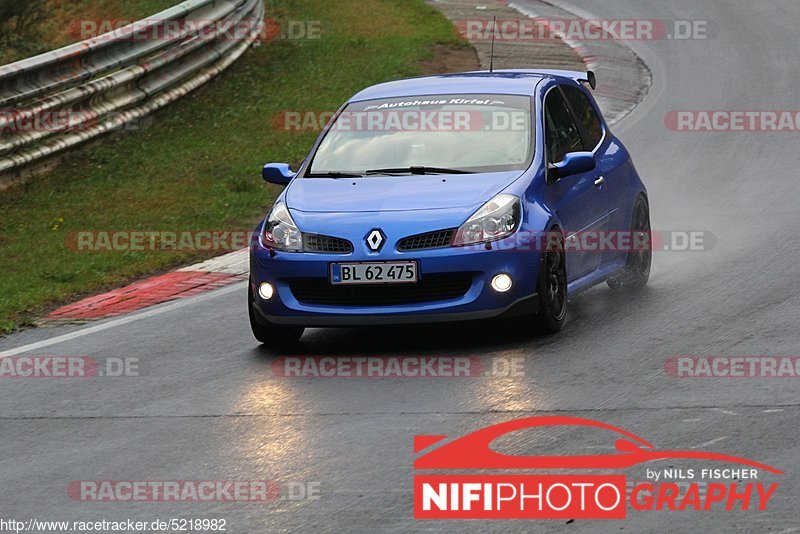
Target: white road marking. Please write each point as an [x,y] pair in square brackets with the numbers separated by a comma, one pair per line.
[707,443]
[122,321]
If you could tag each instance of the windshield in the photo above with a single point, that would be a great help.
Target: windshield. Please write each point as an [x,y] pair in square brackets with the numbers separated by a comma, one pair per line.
[436,134]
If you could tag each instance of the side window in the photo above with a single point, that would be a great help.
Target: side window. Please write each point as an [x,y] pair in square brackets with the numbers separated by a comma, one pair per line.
[586,115]
[561,134]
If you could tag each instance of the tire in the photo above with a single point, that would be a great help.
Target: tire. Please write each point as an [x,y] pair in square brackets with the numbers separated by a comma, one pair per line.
[272,335]
[636,273]
[552,285]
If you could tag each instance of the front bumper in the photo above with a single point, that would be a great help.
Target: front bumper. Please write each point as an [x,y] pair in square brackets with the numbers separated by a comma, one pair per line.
[479,301]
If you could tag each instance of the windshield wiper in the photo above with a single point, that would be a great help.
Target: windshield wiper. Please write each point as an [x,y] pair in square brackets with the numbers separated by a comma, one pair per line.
[334,174]
[417,170]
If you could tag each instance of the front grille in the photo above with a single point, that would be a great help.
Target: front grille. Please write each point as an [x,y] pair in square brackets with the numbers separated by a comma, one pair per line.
[430,288]
[439,239]
[326,244]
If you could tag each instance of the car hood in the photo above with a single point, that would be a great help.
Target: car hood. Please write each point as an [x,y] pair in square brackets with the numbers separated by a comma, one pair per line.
[396,193]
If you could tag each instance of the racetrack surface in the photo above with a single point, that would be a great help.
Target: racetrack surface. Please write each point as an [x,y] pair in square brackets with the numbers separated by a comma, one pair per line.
[208,406]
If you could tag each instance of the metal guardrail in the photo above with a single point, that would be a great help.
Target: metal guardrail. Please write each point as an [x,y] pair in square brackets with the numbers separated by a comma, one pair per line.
[106,82]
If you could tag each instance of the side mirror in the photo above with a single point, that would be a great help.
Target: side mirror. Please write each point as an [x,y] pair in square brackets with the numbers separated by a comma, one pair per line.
[573,163]
[277,173]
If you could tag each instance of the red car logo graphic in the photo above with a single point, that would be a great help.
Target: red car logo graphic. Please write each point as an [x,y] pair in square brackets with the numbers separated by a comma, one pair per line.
[473,451]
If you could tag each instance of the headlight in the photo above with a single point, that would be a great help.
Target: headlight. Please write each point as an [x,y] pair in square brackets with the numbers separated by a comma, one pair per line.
[498,218]
[280,231]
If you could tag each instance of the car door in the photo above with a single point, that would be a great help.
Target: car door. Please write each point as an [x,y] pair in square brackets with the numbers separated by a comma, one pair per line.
[580,200]
[611,160]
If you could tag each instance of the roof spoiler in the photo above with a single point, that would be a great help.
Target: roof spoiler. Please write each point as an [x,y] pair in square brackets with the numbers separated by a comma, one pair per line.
[578,76]
[591,78]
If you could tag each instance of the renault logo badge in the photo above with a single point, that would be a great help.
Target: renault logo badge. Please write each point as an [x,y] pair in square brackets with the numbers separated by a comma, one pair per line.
[375,240]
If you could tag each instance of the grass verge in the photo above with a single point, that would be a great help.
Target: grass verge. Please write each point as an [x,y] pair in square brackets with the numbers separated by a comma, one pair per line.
[197,166]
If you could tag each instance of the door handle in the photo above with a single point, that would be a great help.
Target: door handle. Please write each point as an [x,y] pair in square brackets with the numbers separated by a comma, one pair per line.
[600,181]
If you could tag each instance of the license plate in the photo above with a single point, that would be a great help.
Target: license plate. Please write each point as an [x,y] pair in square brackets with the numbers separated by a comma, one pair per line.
[403,272]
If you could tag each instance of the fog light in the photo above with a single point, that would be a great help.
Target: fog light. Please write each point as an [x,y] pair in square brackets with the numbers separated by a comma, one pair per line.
[501,283]
[265,291]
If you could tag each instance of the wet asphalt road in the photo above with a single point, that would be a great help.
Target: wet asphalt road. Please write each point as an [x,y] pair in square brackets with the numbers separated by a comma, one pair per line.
[207,404]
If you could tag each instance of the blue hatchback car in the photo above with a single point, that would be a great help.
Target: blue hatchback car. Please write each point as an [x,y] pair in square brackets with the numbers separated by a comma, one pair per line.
[448,198]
